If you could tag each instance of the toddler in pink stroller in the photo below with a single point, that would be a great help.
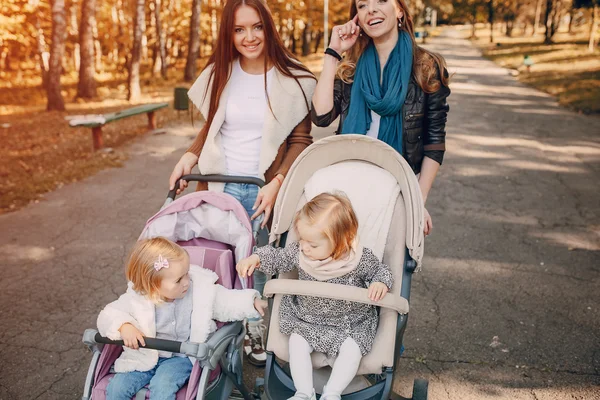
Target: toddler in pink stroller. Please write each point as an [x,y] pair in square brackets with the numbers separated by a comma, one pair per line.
[214,230]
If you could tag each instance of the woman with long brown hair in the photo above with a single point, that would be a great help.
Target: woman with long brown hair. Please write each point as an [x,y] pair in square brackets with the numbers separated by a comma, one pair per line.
[386,87]
[255,97]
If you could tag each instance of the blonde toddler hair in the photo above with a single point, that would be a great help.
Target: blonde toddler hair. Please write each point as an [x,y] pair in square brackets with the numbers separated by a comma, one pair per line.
[337,216]
[140,267]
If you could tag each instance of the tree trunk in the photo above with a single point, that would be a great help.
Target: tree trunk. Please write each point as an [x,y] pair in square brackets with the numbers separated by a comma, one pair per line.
[168,35]
[491,19]
[160,35]
[306,39]
[73,35]
[538,16]
[97,47]
[473,22]
[307,33]
[548,21]
[121,32]
[318,38]
[134,66]
[43,55]
[193,43]
[594,27]
[57,51]
[571,15]
[293,34]
[86,87]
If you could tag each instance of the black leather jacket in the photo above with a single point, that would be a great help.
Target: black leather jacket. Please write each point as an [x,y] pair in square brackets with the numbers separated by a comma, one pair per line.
[424,122]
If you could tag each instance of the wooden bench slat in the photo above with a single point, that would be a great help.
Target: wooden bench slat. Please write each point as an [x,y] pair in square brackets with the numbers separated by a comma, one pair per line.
[114,116]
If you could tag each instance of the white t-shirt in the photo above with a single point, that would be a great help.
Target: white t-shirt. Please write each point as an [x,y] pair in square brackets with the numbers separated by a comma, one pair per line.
[374,128]
[241,132]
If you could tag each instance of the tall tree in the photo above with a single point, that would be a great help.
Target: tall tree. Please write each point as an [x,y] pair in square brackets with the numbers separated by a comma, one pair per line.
[307,32]
[594,6]
[134,66]
[594,27]
[538,16]
[41,48]
[160,35]
[86,87]
[57,51]
[193,43]
[491,19]
[551,20]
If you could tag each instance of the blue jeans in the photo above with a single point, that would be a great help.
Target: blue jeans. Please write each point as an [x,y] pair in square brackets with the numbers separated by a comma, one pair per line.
[165,379]
[246,194]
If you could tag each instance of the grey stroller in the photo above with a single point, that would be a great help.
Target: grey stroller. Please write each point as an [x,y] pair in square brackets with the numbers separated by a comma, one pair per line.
[386,197]
[215,231]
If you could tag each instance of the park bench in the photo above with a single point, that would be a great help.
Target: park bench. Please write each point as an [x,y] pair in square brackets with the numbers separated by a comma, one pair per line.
[96,122]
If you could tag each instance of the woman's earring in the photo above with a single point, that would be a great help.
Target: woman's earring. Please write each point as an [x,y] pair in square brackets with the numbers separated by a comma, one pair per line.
[399,23]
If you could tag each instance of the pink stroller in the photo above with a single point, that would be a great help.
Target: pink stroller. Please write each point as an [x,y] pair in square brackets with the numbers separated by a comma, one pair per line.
[215,231]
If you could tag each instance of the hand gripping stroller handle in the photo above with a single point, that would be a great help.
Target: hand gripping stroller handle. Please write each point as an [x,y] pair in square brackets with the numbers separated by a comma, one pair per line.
[215,178]
[333,291]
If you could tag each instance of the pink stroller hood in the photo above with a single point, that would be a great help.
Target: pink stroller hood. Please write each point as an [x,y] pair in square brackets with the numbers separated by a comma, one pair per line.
[207,215]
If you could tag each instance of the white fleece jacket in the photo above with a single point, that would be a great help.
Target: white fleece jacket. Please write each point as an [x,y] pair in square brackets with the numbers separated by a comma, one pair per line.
[210,302]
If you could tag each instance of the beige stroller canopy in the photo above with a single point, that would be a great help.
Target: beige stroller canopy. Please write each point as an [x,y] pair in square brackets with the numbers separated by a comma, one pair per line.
[341,148]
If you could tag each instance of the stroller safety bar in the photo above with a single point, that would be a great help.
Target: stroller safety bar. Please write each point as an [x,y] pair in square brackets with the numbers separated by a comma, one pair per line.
[208,353]
[333,291]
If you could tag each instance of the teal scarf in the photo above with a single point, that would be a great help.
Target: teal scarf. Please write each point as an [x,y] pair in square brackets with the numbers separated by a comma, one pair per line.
[387,98]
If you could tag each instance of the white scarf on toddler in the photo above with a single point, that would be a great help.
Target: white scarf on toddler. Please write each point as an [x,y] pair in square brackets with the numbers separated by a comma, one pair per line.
[329,268]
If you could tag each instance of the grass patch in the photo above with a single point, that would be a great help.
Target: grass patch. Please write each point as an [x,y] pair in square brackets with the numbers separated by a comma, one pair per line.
[564,69]
[41,152]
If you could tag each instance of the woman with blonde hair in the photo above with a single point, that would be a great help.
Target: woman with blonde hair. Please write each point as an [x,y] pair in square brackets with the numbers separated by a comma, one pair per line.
[255,97]
[386,87]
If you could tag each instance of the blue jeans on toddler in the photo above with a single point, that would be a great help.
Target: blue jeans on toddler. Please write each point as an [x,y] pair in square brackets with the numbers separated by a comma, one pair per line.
[164,380]
[246,194]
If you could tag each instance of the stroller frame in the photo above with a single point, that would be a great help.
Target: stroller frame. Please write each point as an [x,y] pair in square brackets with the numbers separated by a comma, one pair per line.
[324,153]
[221,349]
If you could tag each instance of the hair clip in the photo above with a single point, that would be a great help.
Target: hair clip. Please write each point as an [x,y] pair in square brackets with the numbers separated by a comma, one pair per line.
[161,263]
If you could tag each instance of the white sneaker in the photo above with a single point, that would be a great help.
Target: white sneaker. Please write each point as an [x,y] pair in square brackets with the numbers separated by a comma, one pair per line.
[254,343]
[302,396]
[330,396]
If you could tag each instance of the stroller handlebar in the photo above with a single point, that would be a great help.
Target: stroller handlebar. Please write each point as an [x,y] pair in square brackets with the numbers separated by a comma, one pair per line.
[197,350]
[209,353]
[215,178]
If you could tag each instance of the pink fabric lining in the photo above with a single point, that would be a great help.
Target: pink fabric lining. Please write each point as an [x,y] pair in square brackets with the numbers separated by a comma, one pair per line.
[111,352]
[217,257]
[222,201]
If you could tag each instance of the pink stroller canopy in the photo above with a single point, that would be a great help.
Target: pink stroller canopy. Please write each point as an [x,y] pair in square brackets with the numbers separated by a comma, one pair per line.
[208,215]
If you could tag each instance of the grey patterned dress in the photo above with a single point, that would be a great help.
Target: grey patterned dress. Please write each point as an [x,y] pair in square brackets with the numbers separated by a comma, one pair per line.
[326,323]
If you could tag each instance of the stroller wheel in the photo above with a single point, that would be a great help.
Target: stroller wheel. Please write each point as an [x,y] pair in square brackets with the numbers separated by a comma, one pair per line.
[420,387]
